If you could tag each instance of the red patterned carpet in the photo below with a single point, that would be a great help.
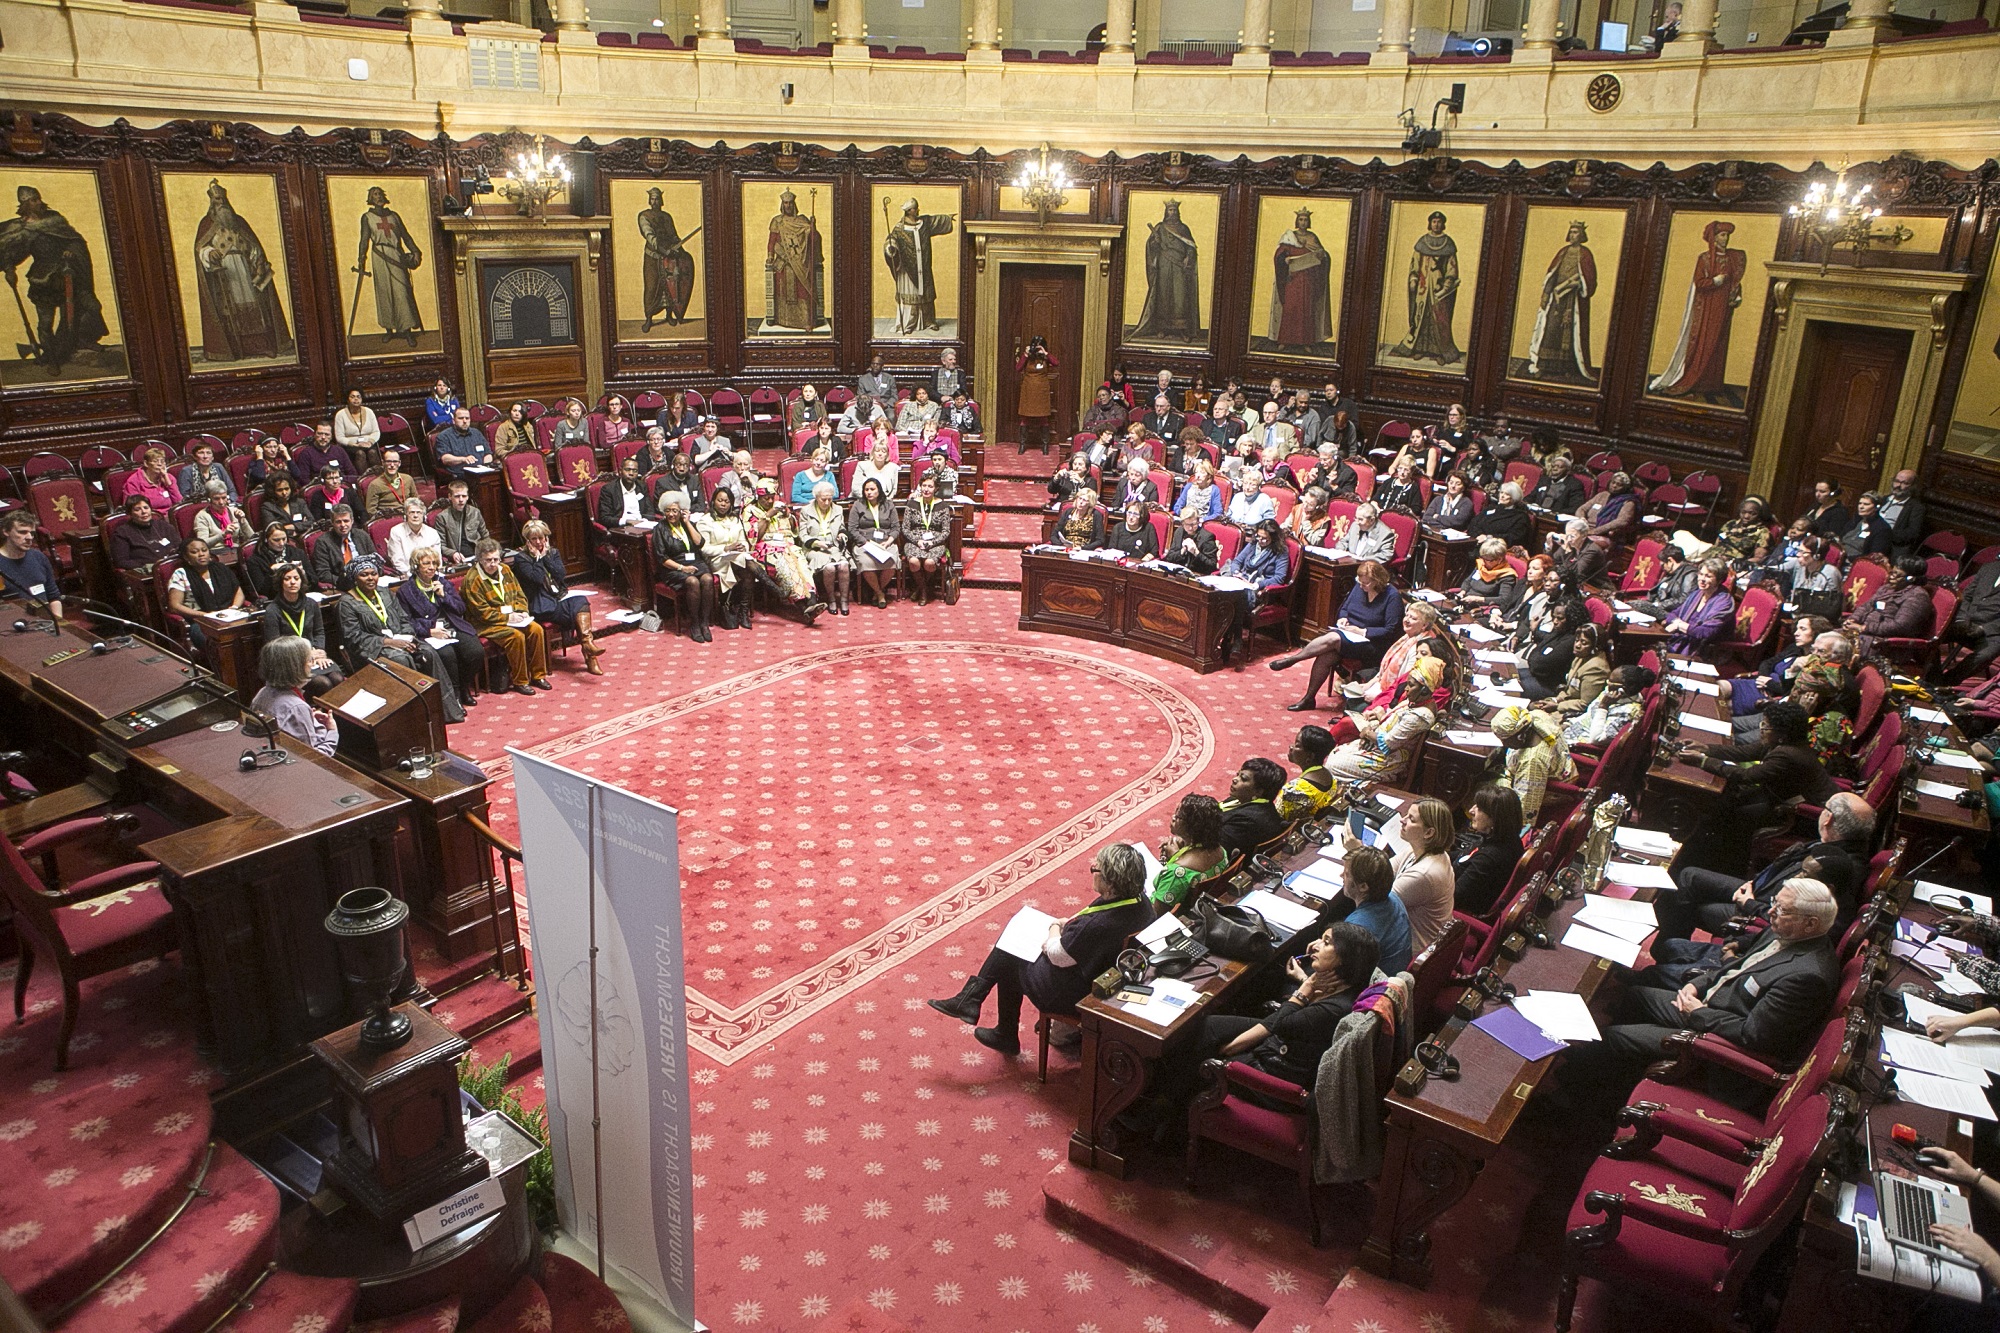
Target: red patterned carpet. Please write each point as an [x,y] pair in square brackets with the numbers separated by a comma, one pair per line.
[865,803]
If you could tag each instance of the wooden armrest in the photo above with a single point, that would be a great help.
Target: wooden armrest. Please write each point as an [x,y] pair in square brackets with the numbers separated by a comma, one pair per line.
[74,830]
[18,821]
[103,882]
[1614,1207]
[1252,1079]
[1686,1049]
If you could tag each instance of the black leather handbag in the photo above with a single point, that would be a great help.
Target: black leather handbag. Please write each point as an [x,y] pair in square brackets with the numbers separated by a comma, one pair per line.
[1237,933]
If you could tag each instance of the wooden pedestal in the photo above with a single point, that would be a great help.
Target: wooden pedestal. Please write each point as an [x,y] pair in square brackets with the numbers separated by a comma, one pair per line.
[409,721]
[402,1142]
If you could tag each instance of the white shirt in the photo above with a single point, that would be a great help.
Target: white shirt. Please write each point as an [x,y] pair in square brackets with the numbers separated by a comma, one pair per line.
[888,474]
[632,498]
[404,544]
[1244,510]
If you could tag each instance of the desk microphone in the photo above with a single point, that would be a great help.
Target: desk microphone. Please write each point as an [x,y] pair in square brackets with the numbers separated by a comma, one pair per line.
[193,670]
[270,754]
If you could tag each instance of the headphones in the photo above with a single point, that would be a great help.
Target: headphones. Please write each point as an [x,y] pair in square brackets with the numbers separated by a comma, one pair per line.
[252,760]
[1437,1062]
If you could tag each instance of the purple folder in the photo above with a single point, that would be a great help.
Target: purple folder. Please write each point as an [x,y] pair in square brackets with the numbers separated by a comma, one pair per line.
[1506,1026]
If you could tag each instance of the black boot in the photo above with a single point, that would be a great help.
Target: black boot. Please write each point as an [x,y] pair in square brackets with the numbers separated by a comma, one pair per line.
[1007,1043]
[964,1006]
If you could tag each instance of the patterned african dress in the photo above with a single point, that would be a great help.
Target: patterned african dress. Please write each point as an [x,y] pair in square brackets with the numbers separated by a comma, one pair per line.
[777,545]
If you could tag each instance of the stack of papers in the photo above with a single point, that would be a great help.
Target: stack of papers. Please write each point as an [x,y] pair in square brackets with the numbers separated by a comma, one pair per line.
[1025,934]
[1950,1095]
[1692,667]
[1928,715]
[1944,791]
[1637,618]
[1224,582]
[1708,724]
[1588,940]
[1639,874]
[1647,842]
[1625,918]
[1453,534]
[1163,926]
[1476,739]
[1286,915]
[1481,634]
[1908,1052]
[1171,998]
[1322,880]
[1490,657]
[1698,685]
[1954,759]
[1561,1015]
[1496,698]
[1428,595]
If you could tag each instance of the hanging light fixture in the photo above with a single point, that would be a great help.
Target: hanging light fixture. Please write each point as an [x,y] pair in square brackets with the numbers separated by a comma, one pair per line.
[534,179]
[1835,216]
[1044,184]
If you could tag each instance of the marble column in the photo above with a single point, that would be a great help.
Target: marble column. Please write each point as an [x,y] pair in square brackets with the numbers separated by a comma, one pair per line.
[1697,34]
[1118,26]
[1396,18]
[711,20]
[1543,18]
[1256,38]
[850,23]
[985,33]
[572,16]
[1867,23]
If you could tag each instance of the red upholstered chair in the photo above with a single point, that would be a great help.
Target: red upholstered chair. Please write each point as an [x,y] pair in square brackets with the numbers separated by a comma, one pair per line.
[247,440]
[1874,690]
[1642,572]
[848,467]
[1950,545]
[803,438]
[534,408]
[101,923]
[787,471]
[647,403]
[1405,529]
[767,411]
[43,465]
[115,482]
[1982,556]
[1605,461]
[1748,640]
[1392,436]
[1300,464]
[1364,479]
[1651,474]
[1940,569]
[576,466]
[1528,474]
[483,415]
[1704,492]
[1282,500]
[98,460]
[1227,539]
[62,508]
[1667,505]
[1274,604]
[527,482]
[1163,526]
[545,430]
[1916,653]
[1642,1225]
[183,517]
[625,449]
[1864,579]
[726,406]
[1163,482]
[1424,487]
[1257,1113]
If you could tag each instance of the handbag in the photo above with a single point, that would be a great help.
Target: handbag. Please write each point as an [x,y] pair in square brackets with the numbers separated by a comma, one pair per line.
[1237,933]
[1828,604]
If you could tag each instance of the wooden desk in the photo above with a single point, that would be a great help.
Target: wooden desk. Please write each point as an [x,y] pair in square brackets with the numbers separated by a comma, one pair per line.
[1930,822]
[1679,796]
[233,649]
[1323,587]
[568,532]
[1446,560]
[1441,1135]
[445,865]
[489,495]
[632,571]
[1164,615]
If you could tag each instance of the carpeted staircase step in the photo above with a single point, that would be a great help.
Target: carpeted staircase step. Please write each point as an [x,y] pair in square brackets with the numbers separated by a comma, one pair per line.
[524,1309]
[1010,529]
[475,1010]
[209,1257]
[438,1317]
[290,1302]
[578,1301]
[94,1159]
[520,1039]
[440,975]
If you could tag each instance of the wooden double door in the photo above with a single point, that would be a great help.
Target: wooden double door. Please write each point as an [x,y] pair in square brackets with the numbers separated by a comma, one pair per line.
[1841,414]
[1046,301]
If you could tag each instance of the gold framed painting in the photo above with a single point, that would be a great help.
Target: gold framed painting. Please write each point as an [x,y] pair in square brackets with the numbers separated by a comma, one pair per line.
[1169,267]
[1713,287]
[63,325]
[1568,289]
[1430,286]
[1300,269]
[915,290]
[788,233]
[383,239]
[228,246]
[659,260]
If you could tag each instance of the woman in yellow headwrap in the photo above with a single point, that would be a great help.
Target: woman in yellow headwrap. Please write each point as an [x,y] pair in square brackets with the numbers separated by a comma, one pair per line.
[1535,755]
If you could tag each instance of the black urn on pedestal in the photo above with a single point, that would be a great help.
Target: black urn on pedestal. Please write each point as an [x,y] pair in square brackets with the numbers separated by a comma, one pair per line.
[367,927]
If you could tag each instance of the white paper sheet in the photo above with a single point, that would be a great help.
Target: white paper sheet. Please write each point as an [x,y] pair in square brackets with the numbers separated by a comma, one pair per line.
[1693,667]
[1711,725]
[1944,791]
[1391,802]
[624,615]
[1624,928]
[560,495]
[1638,618]
[1492,657]
[1496,698]
[1698,685]
[1955,982]
[1026,933]
[1283,913]
[1929,715]
[1354,635]
[1640,875]
[1908,1051]
[1949,759]
[1481,634]
[1171,998]
[1928,892]
[1453,534]
[1152,861]
[1621,909]
[229,615]
[1979,1047]
[1943,1094]
[1875,1256]
[1561,1015]
[1622,952]
[1162,927]
[1428,595]
[1226,582]
[1473,739]
[1921,1011]
[363,705]
[1649,841]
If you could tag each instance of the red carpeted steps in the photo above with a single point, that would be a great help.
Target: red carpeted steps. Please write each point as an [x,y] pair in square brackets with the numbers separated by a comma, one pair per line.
[206,1260]
[474,1010]
[294,1303]
[578,1301]
[524,1309]
[441,1317]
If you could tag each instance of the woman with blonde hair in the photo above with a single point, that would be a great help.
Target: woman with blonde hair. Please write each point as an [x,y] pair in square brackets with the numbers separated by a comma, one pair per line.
[1425,881]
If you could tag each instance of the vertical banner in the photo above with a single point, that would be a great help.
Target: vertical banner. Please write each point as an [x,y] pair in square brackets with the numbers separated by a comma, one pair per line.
[570,824]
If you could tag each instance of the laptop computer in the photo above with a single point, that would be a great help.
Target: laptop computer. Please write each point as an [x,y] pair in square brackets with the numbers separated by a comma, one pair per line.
[1907,1208]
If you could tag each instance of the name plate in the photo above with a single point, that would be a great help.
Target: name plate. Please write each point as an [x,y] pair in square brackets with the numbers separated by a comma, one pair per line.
[458,1212]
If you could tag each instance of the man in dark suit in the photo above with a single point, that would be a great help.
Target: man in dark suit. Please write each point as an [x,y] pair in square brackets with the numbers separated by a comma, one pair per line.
[1771,1002]
[1250,816]
[1904,512]
[1706,898]
[1558,490]
[1072,954]
[1163,421]
[339,546]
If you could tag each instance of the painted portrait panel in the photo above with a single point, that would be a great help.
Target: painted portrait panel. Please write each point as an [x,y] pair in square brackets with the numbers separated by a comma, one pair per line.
[1300,268]
[1568,290]
[1430,286]
[659,260]
[383,255]
[1169,267]
[229,262]
[1975,418]
[63,326]
[1713,287]
[787,238]
[915,261]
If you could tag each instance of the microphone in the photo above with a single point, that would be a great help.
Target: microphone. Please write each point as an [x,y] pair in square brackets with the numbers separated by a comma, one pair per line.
[270,754]
[99,609]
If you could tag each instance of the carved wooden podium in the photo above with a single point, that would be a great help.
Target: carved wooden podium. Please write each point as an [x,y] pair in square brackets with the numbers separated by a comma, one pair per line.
[409,720]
